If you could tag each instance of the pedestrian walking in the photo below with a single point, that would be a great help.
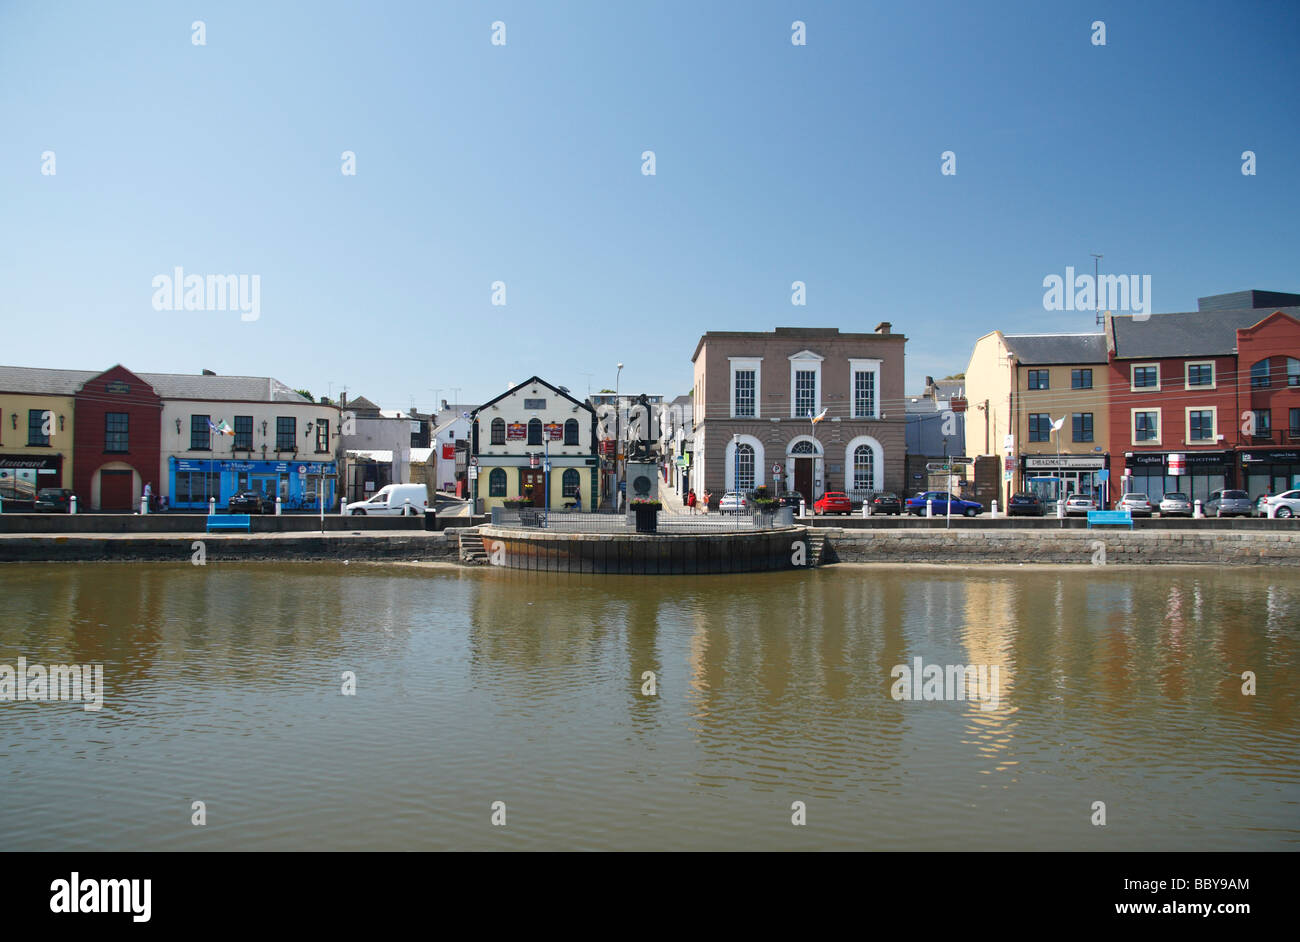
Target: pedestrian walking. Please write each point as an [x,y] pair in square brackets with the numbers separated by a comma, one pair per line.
[690,499]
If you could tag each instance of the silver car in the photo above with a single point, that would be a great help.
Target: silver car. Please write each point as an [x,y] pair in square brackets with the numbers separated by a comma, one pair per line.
[1229,504]
[1281,506]
[1175,505]
[733,502]
[1136,504]
[1078,504]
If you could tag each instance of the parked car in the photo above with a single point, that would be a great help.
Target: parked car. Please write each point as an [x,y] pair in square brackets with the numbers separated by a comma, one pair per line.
[1136,504]
[53,500]
[789,499]
[886,503]
[1229,503]
[833,502]
[1078,505]
[390,501]
[1282,506]
[1175,504]
[1025,505]
[944,503]
[250,502]
[733,502]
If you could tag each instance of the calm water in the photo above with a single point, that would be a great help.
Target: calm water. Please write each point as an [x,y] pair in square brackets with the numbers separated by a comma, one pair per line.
[223,685]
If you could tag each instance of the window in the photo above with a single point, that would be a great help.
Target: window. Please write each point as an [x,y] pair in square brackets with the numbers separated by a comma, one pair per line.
[744,392]
[497,483]
[864,468]
[1200,374]
[571,481]
[286,433]
[1081,424]
[243,433]
[1259,374]
[1146,426]
[535,405]
[36,428]
[498,431]
[803,448]
[1080,379]
[1294,425]
[864,394]
[1263,423]
[200,433]
[195,487]
[805,393]
[1146,377]
[534,431]
[571,432]
[744,467]
[323,435]
[1292,371]
[1200,425]
[1039,379]
[1040,427]
[116,432]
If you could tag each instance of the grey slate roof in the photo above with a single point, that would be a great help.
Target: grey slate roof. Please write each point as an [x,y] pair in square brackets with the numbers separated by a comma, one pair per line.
[25,379]
[1190,334]
[1048,349]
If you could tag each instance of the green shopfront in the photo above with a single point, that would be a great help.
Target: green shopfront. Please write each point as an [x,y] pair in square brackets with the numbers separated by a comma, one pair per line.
[298,484]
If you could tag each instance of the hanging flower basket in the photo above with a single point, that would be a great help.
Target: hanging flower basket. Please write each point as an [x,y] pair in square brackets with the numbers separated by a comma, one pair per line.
[647,514]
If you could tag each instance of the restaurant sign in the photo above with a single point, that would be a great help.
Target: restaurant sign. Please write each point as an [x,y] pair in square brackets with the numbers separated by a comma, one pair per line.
[515,432]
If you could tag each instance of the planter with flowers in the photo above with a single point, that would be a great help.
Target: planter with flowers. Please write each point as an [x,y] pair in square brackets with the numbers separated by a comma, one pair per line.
[647,514]
[518,502]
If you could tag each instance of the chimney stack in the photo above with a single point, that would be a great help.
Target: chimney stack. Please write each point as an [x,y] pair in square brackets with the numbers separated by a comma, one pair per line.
[883,327]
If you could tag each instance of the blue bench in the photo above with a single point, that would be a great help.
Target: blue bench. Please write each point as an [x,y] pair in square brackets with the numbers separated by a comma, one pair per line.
[230,522]
[1119,518]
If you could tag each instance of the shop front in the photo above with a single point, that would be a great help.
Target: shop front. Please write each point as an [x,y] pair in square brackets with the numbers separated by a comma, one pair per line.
[1203,473]
[1270,471]
[298,484]
[1052,477]
[21,476]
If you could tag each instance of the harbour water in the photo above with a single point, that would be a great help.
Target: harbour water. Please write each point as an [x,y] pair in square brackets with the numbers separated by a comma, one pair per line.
[223,684]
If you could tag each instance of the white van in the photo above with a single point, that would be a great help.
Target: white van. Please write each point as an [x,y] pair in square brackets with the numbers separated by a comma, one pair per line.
[390,501]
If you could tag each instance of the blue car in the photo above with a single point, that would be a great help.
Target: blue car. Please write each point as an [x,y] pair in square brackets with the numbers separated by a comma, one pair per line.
[941,501]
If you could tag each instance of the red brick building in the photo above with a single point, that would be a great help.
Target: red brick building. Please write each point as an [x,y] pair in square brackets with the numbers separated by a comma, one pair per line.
[1268,372]
[117,445]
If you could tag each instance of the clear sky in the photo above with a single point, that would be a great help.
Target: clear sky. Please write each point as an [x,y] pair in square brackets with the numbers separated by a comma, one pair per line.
[522,163]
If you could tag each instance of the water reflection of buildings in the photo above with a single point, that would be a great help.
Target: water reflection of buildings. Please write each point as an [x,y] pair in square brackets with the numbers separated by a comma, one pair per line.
[988,634]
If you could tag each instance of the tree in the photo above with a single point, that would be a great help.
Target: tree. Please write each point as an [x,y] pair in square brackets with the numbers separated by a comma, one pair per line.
[305,394]
[956,376]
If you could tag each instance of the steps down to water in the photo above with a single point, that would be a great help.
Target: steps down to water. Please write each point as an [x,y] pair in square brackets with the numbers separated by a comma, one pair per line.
[816,547]
[471,548]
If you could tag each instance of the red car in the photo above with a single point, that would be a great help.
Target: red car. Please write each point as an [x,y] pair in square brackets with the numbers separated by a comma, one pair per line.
[833,502]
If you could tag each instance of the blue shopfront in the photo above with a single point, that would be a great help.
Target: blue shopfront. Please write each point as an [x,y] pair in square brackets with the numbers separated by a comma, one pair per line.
[298,484]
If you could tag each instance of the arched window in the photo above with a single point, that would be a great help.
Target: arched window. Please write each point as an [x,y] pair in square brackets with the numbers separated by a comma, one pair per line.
[497,483]
[1292,371]
[498,431]
[744,468]
[1259,374]
[571,481]
[571,433]
[864,468]
[534,431]
[803,448]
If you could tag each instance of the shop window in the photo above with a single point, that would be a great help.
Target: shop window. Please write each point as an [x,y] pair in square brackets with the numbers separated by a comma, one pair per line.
[1040,427]
[497,483]
[571,432]
[498,431]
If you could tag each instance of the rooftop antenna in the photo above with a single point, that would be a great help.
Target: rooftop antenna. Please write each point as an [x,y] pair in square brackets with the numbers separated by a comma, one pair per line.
[588,375]
[1096,286]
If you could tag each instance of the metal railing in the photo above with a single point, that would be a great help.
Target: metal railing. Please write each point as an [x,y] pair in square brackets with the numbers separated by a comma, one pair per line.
[569,521]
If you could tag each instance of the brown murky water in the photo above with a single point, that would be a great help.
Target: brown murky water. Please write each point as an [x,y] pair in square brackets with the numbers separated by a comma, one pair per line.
[472,687]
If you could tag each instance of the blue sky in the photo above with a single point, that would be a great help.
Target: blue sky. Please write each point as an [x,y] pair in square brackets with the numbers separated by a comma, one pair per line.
[522,163]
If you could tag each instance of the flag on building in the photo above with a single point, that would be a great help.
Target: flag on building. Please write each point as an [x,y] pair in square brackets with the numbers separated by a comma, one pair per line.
[819,416]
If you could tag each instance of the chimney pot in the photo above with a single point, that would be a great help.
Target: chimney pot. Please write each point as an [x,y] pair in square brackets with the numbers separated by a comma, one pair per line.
[883,327]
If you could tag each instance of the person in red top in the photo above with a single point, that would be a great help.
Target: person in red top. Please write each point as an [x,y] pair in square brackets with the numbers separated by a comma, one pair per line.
[690,499]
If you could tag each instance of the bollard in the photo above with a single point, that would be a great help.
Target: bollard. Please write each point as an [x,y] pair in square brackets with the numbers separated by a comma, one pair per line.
[866,508]
[929,507]
[406,507]
[995,510]
[343,507]
[1198,513]
[803,508]
[212,506]
[277,506]
[144,506]
[1060,509]
[72,504]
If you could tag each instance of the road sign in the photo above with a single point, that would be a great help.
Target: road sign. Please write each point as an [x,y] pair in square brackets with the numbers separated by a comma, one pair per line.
[776,469]
[937,467]
[473,460]
[473,472]
[1103,475]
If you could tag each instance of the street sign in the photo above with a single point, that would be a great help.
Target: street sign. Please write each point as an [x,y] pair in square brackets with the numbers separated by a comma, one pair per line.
[776,469]
[473,460]
[936,467]
[1103,475]
[473,472]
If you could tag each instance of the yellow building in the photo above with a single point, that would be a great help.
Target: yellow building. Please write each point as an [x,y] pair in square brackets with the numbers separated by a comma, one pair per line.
[36,429]
[534,441]
[1039,402]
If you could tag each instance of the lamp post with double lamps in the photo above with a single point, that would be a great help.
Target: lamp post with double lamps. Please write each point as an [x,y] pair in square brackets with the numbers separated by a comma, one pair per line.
[618,431]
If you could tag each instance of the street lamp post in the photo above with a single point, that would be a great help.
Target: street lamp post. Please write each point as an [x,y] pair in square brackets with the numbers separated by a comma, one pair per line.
[618,425]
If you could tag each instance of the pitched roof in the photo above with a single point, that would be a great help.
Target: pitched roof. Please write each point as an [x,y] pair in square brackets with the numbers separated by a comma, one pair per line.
[534,381]
[1189,334]
[167,385]
[1045,349]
